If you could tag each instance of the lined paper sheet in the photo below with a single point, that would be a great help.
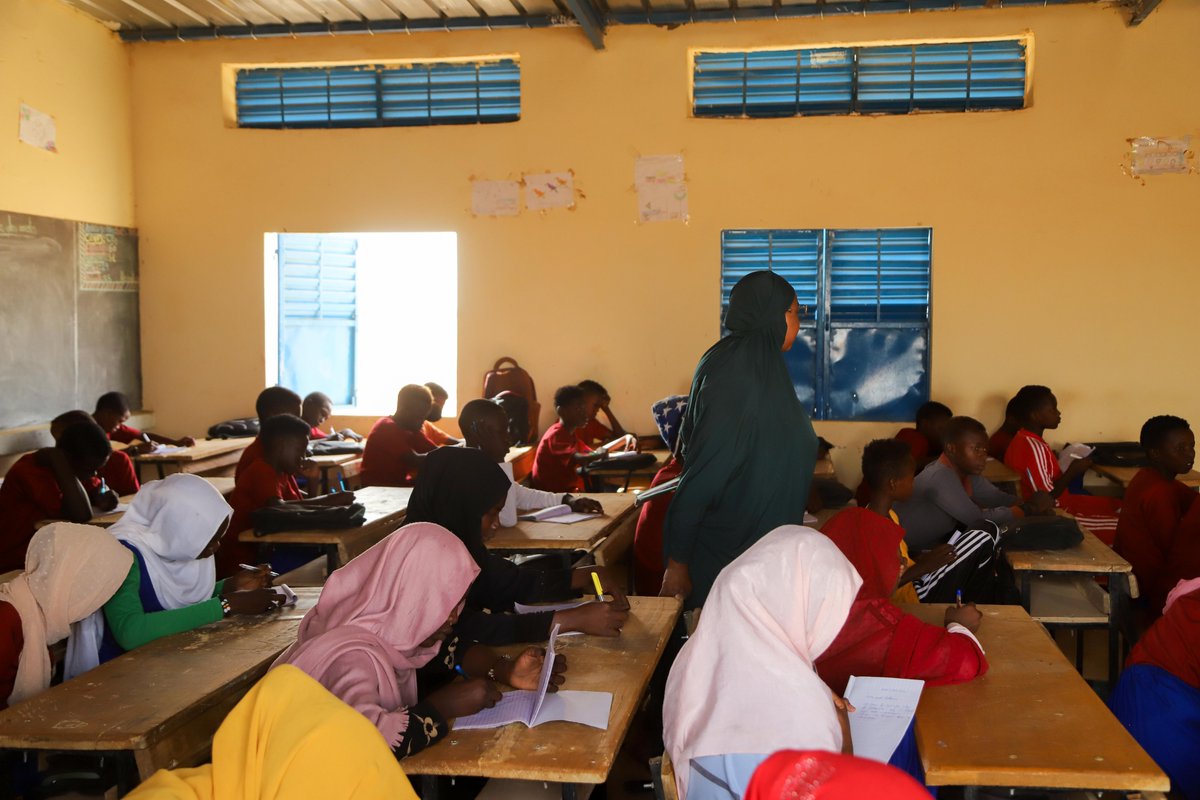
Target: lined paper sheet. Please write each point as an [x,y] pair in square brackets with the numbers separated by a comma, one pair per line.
[884,708]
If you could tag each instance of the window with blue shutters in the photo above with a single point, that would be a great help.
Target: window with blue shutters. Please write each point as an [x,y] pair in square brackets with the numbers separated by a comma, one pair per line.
[891,79]
[863,348]
[364,96]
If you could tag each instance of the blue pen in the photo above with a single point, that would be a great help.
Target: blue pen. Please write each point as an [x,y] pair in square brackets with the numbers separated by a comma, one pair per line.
[1032,485]
[458,668]
[958,598]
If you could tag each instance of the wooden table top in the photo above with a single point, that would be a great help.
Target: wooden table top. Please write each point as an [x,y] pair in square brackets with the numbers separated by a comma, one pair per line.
[205,448]
[1123,475]
[141,697]
[385,505]
[1030,721]
[999,472]
[1090,556]
[516,452]
[564,752]
[104,519]
[334,460]
[578,536]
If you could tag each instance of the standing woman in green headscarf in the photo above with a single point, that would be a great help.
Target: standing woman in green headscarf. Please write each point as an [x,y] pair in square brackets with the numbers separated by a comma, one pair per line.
[748,447]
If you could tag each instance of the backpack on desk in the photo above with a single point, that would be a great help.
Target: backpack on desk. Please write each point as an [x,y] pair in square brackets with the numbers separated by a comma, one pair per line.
[1119,454]
[291,517]
[516,380]
[1049,532]
[243,428]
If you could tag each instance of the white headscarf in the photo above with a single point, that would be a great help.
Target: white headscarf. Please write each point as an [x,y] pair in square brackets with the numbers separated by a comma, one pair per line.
[70,571]
[744,682]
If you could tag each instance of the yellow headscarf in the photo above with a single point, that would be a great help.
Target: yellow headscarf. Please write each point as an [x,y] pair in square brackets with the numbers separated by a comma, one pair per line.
[288,738]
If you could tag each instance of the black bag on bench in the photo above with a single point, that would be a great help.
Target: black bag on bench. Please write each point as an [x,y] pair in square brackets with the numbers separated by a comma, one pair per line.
[1050,532]
[291,517]
[1119,454]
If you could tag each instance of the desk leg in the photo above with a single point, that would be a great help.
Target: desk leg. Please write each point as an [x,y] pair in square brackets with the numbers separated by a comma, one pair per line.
[127,772]
[429,787]
[332,559]
[1120,620]
[569,791]
[1026,580]
[162,470]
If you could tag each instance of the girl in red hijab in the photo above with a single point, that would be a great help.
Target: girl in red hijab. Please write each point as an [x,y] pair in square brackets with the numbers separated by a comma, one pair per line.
[818,775]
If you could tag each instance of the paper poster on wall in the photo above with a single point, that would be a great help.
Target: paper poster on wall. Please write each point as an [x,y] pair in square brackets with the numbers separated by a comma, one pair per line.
[549,190]
[37,129]
[495,198]
[1153,156]
[107,259]
[661,188]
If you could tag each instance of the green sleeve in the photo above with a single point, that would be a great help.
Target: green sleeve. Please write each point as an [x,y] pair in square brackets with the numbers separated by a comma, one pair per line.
[133,626]
[219,588]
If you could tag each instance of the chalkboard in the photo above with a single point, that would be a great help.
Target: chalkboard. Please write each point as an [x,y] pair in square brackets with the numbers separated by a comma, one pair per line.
[68,316]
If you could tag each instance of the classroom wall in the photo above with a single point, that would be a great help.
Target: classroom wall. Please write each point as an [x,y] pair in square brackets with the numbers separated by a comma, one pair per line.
[1051,264]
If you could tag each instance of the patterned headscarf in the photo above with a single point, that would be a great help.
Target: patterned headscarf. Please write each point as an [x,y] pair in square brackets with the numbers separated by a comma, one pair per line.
[668,414]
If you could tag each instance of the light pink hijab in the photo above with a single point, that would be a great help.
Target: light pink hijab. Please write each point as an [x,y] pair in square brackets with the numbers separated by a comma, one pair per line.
[1181,588]
[744,682]
[362,641]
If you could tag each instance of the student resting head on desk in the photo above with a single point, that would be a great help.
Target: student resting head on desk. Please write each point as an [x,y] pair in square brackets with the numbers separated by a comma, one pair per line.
[485,426]
[432,432]
[111,414]
[271,402]
[648,563]
[561,453]
[381,638]
[51,484]
[173,527]
[594,432]
[396,447]
[70,571]
[744,684]
[463,490]
[1149,530]
[117,474]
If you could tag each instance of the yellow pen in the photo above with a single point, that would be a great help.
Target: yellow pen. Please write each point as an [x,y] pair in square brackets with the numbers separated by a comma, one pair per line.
[599,589]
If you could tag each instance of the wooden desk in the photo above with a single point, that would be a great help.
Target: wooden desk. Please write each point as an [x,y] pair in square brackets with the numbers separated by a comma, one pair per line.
[999,473]
[521,458]
[330,465]
[205,455]
[163,701]
[824,468]
[562,752]
[1031,721]
[1123,475]
[386,507]
[104,519]
[534,537]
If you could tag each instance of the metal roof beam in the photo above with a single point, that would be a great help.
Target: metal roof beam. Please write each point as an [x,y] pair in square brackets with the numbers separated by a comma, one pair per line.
[328,28]
[1141,10]
[590,19]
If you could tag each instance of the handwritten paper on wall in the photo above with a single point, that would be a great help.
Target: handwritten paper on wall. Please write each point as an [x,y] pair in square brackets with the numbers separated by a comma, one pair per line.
[496,198]
[1153,156]
[549,190]
[661,189]
[37,129]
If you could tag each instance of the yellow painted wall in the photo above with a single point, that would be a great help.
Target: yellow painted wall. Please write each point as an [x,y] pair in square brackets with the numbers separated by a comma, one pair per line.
[68,65]
[1050,264]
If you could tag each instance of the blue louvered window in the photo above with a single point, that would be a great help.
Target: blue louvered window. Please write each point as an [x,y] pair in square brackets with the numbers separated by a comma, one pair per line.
[365,96]
[893,79]
[318,314]
[863,348]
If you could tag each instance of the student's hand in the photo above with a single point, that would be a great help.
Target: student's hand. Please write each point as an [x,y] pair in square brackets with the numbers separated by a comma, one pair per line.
[940,556]
[349,434]
[463,698]
[139,449]
[581,580]
[677,580]
[187,441]
[340,498]
[843,707]
[583,505]
[106,500]
[247,579]
[597,619]
[255,601]
[1077,468]
[525,671]
[1039,503]
[968,616]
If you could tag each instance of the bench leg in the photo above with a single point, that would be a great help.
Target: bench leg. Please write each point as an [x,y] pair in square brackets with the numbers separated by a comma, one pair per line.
[569,791]
[429,787]
[1026,580]
[1119,621]
[332,559]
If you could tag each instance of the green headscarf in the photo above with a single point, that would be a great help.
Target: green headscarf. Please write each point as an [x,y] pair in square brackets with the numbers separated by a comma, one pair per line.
[748,447]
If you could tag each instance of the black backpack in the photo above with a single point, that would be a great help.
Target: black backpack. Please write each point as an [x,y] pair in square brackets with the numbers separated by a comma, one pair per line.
[244,428]
[1119,454]
[291,517]
[1050,532]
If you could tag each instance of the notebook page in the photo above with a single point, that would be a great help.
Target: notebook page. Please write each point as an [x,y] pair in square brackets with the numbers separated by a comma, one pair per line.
[884,708]
[586,708]
[513,707]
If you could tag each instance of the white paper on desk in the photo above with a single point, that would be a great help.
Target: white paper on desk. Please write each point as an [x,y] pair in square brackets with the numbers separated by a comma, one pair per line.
[810,519]
[521,608]
[561,514]
[622,455]
[289,597]
[1073,452]
[884,708]
[167,449]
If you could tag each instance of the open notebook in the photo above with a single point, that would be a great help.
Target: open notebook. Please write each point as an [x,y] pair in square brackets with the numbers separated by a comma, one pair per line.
[535,707]
[561,514]
[884,708]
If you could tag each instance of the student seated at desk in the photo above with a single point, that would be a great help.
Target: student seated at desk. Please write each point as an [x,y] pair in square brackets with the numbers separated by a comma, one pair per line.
[70,571]
[486,427]
[1002,438]
[271,402]
[49,484]
[1157,698]
[288,738]
[463,491]
[818,775]
[648,564]
[381,638]
[396,447]
[117,474]
[173,528]
[595,433]
[924,440]
[270,480]
[560,453]
[827,491]
[111,414]
[744,685]
[1032,459]
[316,411]
[1152,511]
[432,432]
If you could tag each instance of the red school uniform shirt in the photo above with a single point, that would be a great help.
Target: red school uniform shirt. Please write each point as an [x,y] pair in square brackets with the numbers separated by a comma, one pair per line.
[12,641]
[998,444]
[120,474]
[258,484]
[595,433]
[387,446]
[1148,527]
[251,454]
[125,435]
[316,433]
[28,495]
[553,467]
[648,563]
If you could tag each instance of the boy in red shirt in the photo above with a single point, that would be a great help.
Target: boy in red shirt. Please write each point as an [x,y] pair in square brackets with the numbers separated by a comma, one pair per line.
[271,402]
[111,414]
[1032,458]
[595,433]
[396,447]
[1148,531]
[316,411]
[432,432]
[560,452]
[268,480]
[49,484]
[118,473]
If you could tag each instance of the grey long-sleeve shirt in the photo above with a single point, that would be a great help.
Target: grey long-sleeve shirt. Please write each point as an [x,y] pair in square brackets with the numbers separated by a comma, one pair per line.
[940,505]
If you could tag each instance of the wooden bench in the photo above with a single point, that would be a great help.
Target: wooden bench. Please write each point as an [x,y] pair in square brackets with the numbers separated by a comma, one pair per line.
[521,458]
[207,455]
[161,703]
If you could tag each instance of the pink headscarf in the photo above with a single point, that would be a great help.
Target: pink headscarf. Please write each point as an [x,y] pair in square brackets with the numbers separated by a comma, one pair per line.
[1181,588]
[744,682]
[363,639]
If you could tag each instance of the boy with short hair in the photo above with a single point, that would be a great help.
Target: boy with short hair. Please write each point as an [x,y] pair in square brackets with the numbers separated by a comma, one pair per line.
[396,447]
[48,484]
[595,433]
[111,414]
[316,411]
[118,473]
[271,402]
[924,441]
[560,452]
[432,432]
[1035,461]
[1148,530]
